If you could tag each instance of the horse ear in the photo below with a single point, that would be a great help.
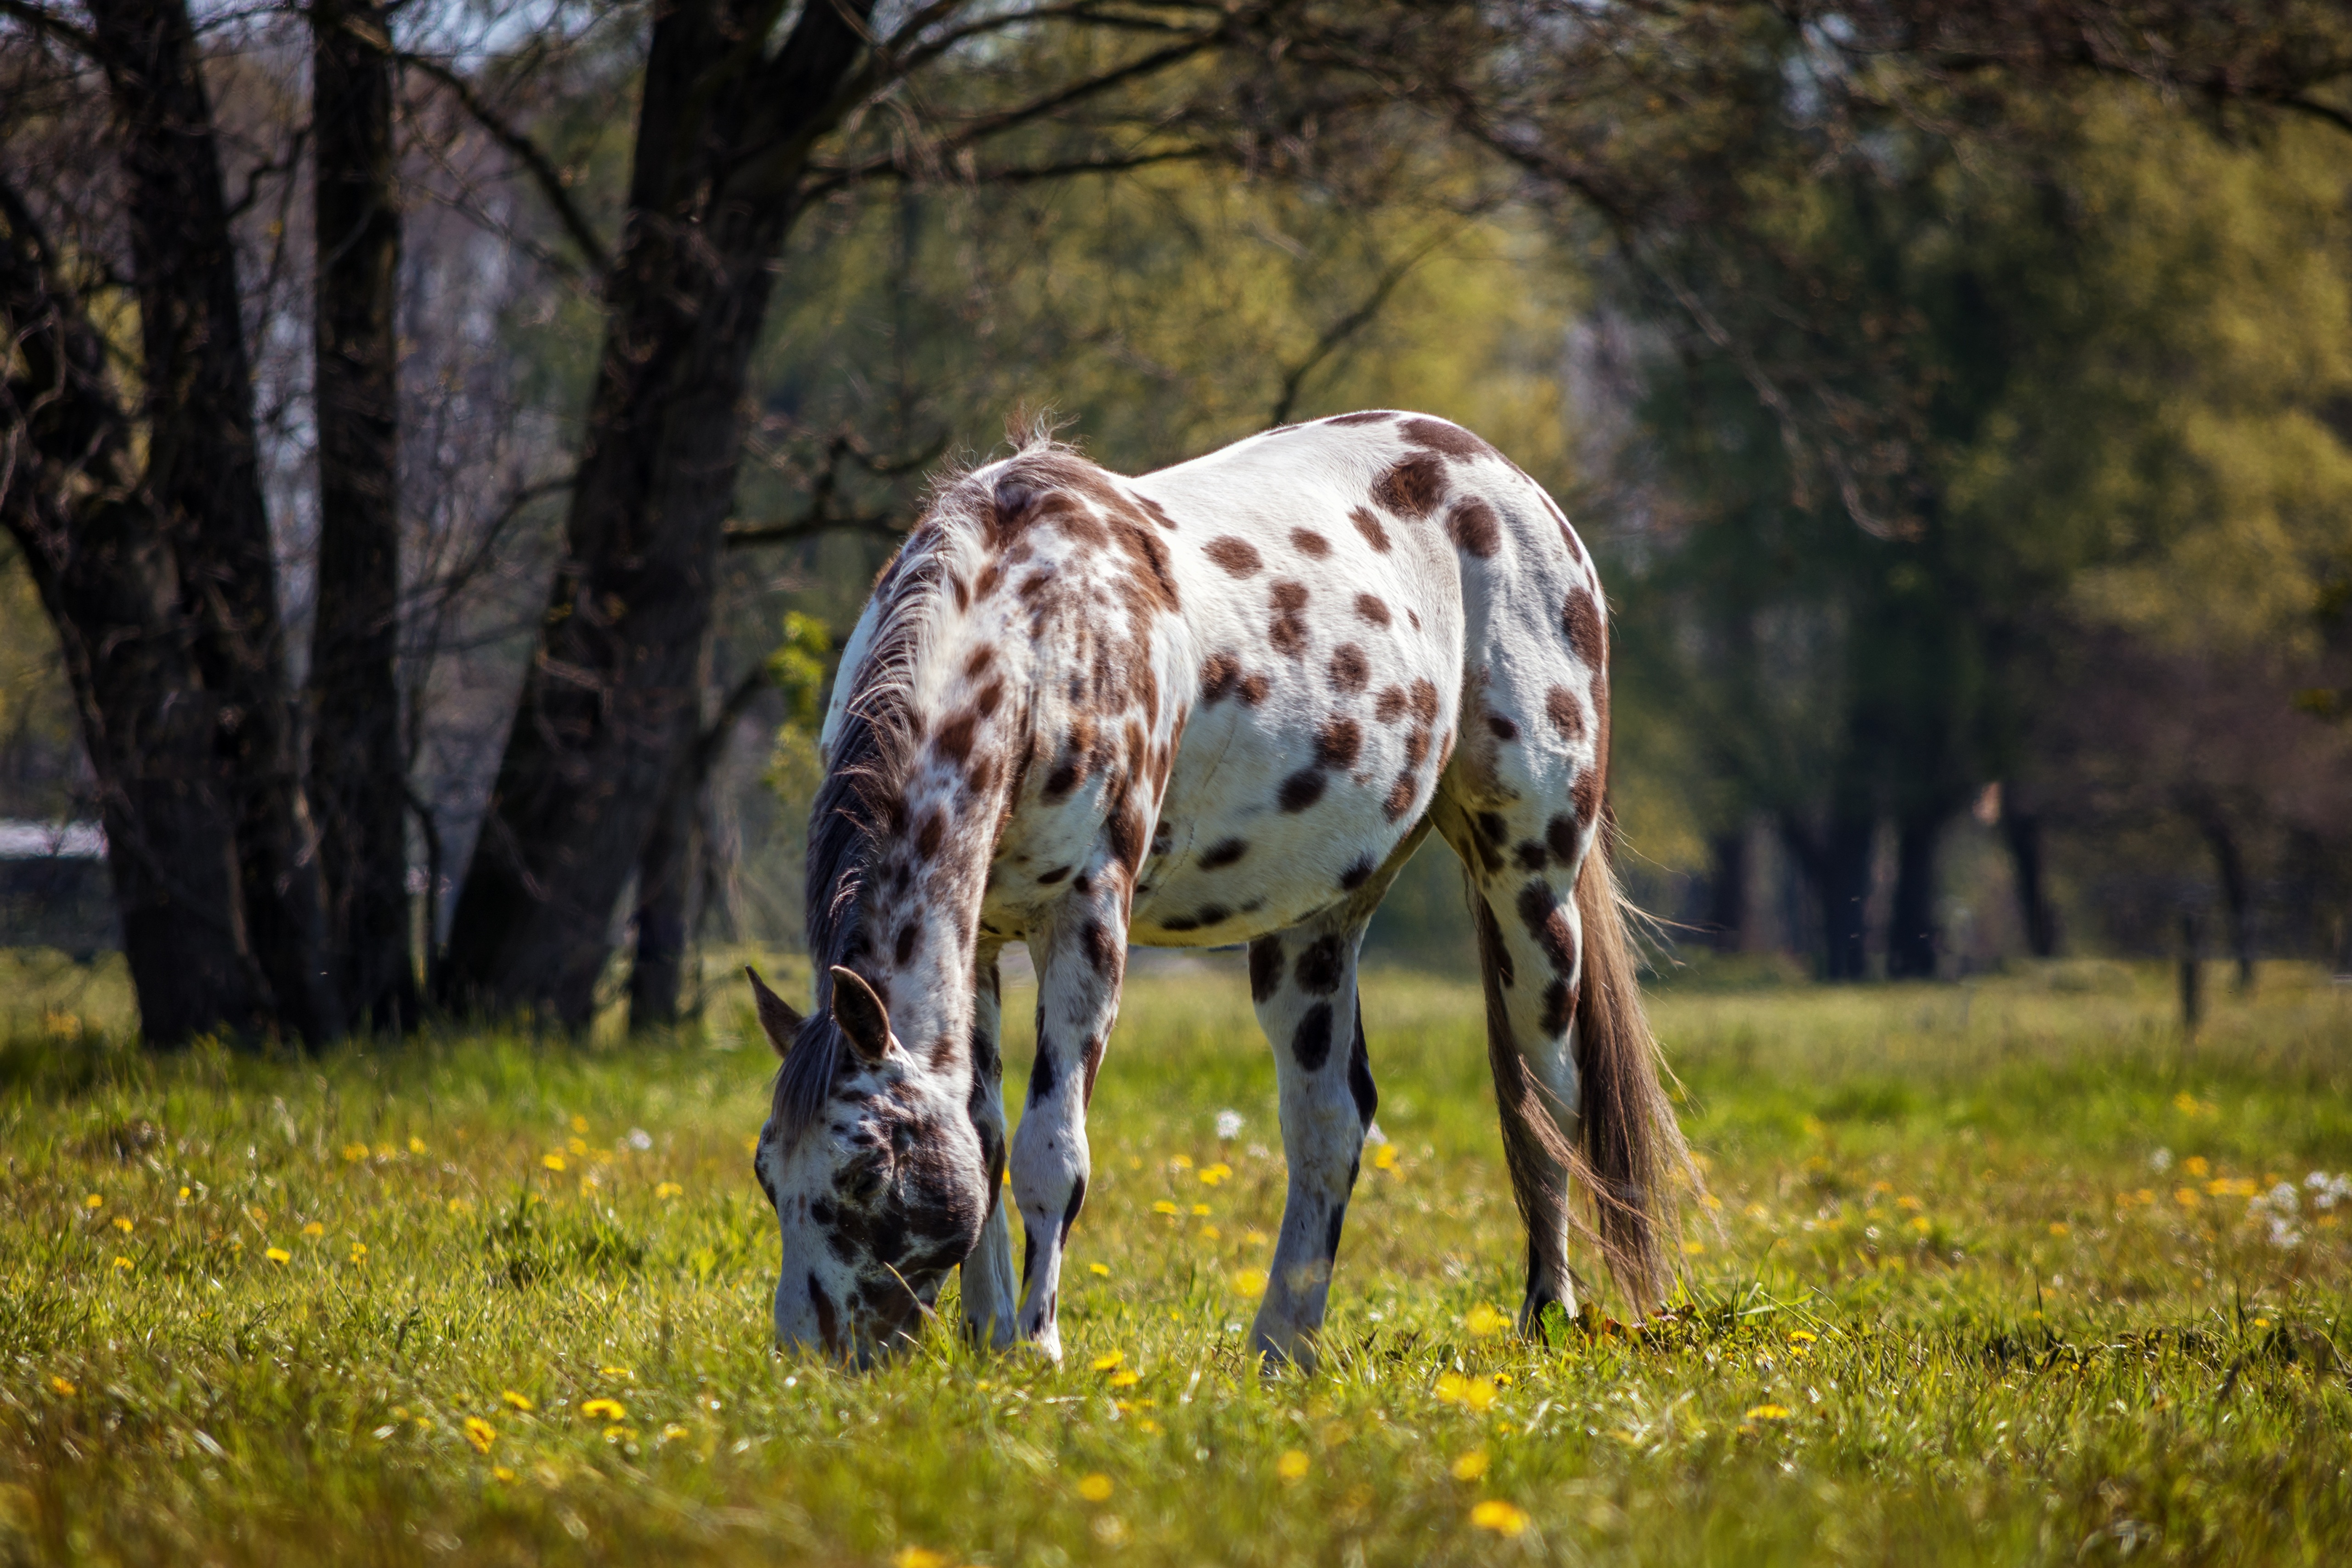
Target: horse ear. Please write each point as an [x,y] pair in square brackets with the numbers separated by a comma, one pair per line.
[776,1015]
[864,1021]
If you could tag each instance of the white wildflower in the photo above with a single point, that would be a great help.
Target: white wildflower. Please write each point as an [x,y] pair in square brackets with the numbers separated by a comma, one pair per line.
[2160,1161]
[1229,1124]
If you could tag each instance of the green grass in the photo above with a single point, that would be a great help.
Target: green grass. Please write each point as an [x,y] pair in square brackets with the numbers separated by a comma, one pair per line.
[1949,1309]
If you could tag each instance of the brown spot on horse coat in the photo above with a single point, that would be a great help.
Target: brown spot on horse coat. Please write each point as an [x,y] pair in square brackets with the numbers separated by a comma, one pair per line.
[1301,789]
[953,742]
[1357,874]
[1253,689]
[977,665]
[1288,632]
[1400,794]
[1558,1005]
[1444,435]
[1159,513]
[1545,919]
[1102,949]
[1223,853]
[1585,794]
[1472,525]
[1567,714]
[1372,607]
[1370,416]
[1561,834]
[1502,729]
[1370,527]
[1349,669]
[1425,701]
[1264,967]
[1309,544]
[1588,638]
[1411,488]
[928,837]
[1237,556]
[1390,706]
[1322,964]
[1310,1042]
[1338,742]
[1219,673]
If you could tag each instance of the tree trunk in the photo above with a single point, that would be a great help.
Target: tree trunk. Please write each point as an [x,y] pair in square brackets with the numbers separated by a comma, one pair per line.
[202,478]
[610,698]
[1726,892]
[2237,891]
[2023,832]
[1911,931]
[667,874]
[1836,865]
[357,767]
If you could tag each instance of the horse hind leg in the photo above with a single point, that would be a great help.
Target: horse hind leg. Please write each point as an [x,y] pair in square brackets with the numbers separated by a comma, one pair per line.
[1529,943]
[1303,982]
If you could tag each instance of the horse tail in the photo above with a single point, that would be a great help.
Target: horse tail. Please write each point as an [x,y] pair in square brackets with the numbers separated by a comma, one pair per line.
[1634,1162]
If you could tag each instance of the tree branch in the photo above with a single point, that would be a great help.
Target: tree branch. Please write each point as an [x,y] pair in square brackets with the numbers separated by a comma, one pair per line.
[1347,326]
[533,157]
[58,28]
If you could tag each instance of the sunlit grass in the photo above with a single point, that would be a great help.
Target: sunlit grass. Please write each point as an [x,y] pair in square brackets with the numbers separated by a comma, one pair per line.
[2000,1272]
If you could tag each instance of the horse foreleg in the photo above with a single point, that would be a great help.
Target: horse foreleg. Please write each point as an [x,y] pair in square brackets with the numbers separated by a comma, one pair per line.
[989,1307]
[1083,957]
[1304,984]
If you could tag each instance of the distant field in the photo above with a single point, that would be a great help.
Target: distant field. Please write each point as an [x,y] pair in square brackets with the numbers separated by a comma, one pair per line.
[2001,1272]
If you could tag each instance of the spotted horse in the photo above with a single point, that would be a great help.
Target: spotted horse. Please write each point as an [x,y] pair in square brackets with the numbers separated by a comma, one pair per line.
[1219,703]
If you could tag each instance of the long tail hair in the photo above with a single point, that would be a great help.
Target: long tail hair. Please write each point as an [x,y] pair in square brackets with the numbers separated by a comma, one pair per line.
[1631,1160]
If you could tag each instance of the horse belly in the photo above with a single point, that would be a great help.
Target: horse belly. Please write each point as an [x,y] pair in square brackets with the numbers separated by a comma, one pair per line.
[1283,807]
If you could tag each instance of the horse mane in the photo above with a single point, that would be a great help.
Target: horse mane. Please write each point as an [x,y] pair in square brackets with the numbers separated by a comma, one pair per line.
[861,805]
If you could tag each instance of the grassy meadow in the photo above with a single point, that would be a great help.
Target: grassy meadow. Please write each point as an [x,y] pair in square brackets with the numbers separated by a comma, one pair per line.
[1997,1272]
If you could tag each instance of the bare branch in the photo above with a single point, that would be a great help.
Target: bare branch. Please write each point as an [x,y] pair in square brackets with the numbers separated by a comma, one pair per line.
[533,157]
[43,21]
[1348,325]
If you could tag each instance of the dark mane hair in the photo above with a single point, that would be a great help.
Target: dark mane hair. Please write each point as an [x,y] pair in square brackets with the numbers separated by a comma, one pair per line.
[861,805]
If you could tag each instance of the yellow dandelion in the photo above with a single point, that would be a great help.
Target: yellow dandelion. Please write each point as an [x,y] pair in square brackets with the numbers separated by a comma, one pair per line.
[1102,1269]
[122,1263]
[1201,1210]
[2058,1227]
[1211,1233]
[607,1409]
[2195,1165]
[1907,1202]
[358,1252]
[1216,1173]
[1477,1394]
[577,1145]
[1693,1248]
[1385,1157]
[674,1431]
[1182,1162]
[355,1153]
[1164,1206]
[480,1433]
[93,1202]
[1250,1283]
[1470,1466]
[1921,1224]
[1127,1379]
[62,1385]
[1802,1336]
[1148,1426]
[519,1401]
[122,1225]
[1292,1466]
[314,1229]
[668,1190]
[579,1124]
[461,1206]
[551,1161]
[499,1472]
[1096,1487]
[184,1195]
[1483,1320]
[1105,1362]
[1498,1516]
[2187,1197]
[1767,1412]
[615,1371]
[919,1557]
[278,1254]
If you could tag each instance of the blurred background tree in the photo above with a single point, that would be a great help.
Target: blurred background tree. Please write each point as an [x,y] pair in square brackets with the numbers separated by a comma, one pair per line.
[1956,396]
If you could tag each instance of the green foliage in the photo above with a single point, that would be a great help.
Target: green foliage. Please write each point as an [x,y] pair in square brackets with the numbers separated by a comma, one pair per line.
[798,668]
[1951,1309]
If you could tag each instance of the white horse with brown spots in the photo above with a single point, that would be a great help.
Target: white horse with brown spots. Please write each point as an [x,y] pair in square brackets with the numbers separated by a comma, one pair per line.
[1219,703]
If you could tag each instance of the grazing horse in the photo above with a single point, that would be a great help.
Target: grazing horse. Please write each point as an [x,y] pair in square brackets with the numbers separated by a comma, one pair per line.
[1219,703]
